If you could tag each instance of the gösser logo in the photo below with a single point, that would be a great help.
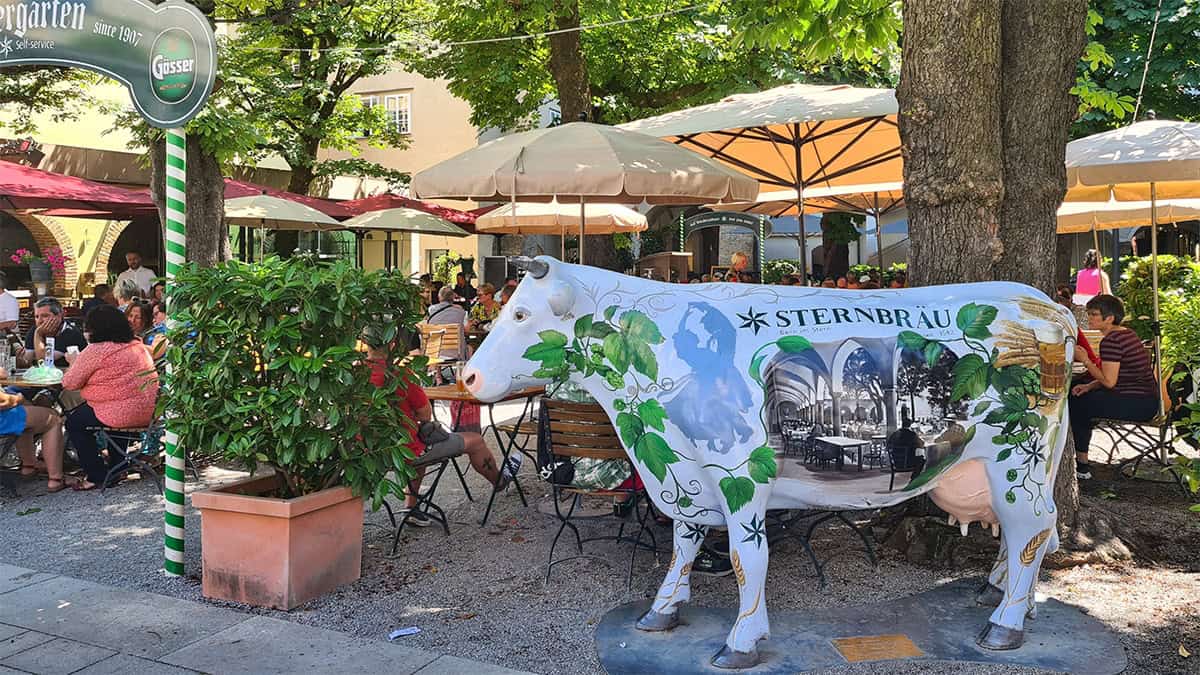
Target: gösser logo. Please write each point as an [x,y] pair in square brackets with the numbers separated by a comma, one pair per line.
[173,65]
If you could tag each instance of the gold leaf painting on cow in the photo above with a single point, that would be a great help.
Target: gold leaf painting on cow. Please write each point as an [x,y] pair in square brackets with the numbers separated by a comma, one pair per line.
[734,399]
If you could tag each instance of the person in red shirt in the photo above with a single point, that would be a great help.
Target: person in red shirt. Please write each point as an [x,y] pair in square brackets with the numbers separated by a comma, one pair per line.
[415,405]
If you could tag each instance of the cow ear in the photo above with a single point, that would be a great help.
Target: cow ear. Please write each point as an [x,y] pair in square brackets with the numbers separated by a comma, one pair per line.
[561,298]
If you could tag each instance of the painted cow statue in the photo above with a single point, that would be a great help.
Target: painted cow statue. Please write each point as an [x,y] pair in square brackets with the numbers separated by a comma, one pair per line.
[703,381]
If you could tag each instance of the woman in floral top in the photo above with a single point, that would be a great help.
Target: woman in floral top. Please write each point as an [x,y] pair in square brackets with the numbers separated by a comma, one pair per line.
[485,310]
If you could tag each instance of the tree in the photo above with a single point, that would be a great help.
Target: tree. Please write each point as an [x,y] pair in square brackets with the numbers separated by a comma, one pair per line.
[624,70]
[838,230]
[861,375]
[289,72]
[31,90]
[1115,59]
[984,173]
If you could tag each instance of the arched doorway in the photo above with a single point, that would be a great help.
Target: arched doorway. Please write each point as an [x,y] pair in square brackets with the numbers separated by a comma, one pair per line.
[140,234]
[21,230]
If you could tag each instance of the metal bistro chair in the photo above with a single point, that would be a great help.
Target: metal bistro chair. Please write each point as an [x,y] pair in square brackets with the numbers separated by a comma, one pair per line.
[578,431]
[425,503]
[136,448]
[1153,440]
[8,479]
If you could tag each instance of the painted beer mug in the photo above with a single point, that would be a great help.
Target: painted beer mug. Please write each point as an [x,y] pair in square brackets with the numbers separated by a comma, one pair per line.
[1052,357]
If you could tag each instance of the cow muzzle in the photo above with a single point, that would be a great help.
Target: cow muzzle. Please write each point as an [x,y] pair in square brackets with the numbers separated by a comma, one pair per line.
[472,379]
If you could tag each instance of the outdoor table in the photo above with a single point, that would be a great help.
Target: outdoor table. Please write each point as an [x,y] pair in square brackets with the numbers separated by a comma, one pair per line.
[451,393]
[844,443]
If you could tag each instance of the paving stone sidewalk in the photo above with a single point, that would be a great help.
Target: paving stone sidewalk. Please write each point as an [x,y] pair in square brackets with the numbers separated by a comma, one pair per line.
[54,624]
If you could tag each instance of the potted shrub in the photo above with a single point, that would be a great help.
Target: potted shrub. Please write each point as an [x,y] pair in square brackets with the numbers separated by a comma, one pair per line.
[266,373]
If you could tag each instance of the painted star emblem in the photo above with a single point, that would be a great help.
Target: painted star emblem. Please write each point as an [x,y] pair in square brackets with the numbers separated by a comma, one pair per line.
[753,320]
[6,47]
[756,531]
[694,532]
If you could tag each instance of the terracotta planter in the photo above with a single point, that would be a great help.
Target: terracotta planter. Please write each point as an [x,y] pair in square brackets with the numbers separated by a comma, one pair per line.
[277,553]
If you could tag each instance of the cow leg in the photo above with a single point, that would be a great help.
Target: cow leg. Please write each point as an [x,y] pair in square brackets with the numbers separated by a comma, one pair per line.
[676,586]
[748,552]
[1028,536]
[992,591]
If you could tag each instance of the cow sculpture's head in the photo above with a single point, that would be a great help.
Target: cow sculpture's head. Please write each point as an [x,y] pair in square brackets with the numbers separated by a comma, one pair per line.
[544,301]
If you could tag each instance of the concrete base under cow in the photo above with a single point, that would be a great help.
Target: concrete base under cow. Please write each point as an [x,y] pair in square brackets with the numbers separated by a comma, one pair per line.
[937,625]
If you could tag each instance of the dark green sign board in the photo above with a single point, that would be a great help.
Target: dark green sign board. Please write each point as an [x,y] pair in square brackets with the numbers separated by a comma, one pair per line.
[164,54]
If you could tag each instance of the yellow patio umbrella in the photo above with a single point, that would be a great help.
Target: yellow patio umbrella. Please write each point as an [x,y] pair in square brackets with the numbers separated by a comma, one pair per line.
[581,162]
[274,213]
[555,217]
[400,219]
[798,137]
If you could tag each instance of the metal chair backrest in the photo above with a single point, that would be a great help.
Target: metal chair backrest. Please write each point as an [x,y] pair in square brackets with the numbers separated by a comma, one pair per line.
[582,430]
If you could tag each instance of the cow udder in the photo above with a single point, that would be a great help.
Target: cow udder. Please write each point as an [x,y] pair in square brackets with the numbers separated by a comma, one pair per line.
[963,493]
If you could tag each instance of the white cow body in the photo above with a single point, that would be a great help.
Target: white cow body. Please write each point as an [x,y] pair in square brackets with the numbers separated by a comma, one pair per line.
[694,377]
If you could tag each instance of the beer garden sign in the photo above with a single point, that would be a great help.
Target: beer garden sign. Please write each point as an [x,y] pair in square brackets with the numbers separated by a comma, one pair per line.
[166,56]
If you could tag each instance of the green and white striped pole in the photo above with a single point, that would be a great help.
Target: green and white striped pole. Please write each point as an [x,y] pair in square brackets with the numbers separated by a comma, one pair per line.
[176,238]
[682,241]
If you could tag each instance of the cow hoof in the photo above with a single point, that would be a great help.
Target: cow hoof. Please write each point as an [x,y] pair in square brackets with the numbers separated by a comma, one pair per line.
[999,638]
[731,659]
[988,595]
[656,622]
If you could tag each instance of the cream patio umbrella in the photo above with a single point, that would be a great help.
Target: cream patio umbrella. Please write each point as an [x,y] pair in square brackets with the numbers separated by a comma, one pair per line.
[275,213]
[798,137]
[875,200]
[555,218]
[400,219]
[1145,161]
[581,162]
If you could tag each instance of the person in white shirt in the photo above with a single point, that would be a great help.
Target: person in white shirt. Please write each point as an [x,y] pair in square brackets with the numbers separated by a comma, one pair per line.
[10,310]
[142,277]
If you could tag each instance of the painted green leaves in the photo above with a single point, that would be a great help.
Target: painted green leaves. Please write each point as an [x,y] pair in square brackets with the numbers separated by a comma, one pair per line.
[550,353]
[762,464]
[738,491]
[789,344]
[973,320]
[652,450]
[970,378]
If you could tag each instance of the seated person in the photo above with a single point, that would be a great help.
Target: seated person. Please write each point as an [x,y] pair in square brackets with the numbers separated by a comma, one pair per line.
[137,313]
[119,385]
[1122,387]
[903,444]
[447,312]
[102,294]
[485,310]
[48,322]
[127,292]
[30,421]
[416,406]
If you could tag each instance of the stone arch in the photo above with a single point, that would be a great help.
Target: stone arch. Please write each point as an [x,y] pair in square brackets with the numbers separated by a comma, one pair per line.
[48,232]
[112,232]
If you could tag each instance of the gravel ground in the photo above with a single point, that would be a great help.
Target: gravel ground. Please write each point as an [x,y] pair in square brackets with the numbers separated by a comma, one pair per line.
[479,593]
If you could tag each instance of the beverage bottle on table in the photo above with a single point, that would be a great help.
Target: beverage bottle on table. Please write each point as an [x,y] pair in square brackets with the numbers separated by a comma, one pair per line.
[49,360]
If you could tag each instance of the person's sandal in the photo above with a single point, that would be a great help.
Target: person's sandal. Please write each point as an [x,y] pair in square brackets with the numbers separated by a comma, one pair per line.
[84,486]
[51,486]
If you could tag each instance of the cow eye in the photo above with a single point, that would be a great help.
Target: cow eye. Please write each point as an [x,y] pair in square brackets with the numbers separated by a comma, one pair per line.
[520,314]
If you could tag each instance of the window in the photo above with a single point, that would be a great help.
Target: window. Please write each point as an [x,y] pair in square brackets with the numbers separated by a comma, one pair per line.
[399,112]
[397,108]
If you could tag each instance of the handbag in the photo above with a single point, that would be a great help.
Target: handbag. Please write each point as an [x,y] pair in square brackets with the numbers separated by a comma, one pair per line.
[550,468]
[432,432]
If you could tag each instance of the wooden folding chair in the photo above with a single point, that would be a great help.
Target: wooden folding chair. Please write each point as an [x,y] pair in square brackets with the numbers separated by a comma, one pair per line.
[583,430]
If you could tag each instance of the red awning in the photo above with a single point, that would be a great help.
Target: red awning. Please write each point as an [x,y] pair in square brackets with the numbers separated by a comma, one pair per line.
[240,188]
[464,219]
[24,187]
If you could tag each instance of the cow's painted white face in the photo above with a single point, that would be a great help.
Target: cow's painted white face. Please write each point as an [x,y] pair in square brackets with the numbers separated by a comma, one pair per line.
[499,367]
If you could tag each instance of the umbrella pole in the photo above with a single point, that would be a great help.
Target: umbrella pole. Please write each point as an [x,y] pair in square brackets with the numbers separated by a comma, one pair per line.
[387,251]
[879,236]
[1155,326]
[562,242]
[582,225]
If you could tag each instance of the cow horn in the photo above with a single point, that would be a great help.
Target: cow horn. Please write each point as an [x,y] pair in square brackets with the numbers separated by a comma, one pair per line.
[536,268]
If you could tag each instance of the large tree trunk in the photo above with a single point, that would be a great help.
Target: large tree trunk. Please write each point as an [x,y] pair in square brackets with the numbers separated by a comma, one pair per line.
[567,64]
[836,262]
[207,234]
[299,181]
[1040,53]
[985,111]
[1062,259]
[950,115]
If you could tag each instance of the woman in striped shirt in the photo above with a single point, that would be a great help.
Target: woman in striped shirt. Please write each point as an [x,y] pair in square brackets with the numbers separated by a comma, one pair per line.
[1122,387]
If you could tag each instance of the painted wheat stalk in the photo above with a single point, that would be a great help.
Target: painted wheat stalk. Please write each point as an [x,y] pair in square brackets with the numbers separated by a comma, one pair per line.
[737,569]
[1030,551]
[1017,344]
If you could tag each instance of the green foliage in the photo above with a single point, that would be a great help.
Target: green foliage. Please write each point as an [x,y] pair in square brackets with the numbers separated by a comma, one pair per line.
[774,271]
[29,91]
[892,271]
[265,371]
[642,68]
[861,270]
[446,267]
[1112,65]
[841,228]
[1178,279]
[1180,329]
